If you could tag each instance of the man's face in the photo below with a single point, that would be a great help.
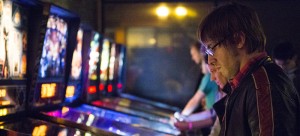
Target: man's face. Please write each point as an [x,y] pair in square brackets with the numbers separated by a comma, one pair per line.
[227,58]
[215,74]
[286,65]
[196,56]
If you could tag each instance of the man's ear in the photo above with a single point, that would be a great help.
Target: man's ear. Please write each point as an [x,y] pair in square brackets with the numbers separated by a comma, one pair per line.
[239,40]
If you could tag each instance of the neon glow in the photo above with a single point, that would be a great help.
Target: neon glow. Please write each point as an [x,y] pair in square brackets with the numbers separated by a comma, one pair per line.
[112,61]
[101,87]
[90,120]
[65,110]
[181,11]
[87,134]
[104,60]
[109,88]
[48,90]
[124,102]
[39,130]
[77,57]
[3,112]
[13,41]
[2,92]
[52,62]
[80,118]
[70,91]
[162,11]
[92,89]
[94,57]
[119,86]
[5,102]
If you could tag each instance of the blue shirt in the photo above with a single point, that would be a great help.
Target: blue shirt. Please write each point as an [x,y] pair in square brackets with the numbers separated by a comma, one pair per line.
[210,89]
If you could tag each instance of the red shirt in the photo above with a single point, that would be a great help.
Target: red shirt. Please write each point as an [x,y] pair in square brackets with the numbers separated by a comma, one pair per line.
[234,83]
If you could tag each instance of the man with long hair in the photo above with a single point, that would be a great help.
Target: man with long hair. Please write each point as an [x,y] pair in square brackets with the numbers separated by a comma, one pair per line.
[261,99]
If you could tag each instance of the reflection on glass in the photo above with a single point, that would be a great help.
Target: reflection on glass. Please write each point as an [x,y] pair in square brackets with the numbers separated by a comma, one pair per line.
[90,120]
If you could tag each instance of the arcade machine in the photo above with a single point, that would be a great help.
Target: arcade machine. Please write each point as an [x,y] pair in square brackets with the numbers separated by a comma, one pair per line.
[116,69]
[79,67]
[104,66]
[114,77]
[92,118]
[18,21]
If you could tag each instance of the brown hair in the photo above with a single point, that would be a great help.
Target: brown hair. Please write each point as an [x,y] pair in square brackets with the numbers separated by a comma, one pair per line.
[228,22]
[196,45]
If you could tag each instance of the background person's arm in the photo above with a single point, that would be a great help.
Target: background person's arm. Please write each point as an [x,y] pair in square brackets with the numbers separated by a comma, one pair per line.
[193,103]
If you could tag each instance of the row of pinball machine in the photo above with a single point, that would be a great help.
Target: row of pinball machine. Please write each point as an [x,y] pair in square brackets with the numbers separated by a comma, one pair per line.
[60,77]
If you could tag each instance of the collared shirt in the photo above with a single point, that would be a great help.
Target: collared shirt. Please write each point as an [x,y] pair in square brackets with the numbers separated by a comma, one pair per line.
[236,80]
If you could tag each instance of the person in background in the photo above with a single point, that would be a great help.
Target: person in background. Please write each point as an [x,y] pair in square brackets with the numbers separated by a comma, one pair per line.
[261,99]
[285,56]
[196,55]
[194,102]
[221,82]
[205,85]
[207,90]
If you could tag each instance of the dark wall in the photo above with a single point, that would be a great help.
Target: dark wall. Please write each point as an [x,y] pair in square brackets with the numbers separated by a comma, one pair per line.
[89,11]
[280,20]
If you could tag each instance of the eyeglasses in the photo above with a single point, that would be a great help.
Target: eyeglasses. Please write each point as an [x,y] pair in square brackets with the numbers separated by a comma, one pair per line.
[210,49]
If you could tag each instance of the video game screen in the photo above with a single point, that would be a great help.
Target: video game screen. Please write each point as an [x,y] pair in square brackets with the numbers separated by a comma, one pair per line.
[77,57]
[13,41]
[112,62]
[119,69]
[52,63]
[94,56]
[104,60]
[74,85]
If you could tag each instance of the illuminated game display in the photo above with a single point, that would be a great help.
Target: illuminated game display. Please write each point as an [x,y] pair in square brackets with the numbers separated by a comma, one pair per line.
[112,60]
[84,79]
[42,79]
[104,65]
[13,41]
[77,57]
[52,63]
[81,113]
[13,57]
[94,56]
[84,115]
[112,66]
[121,67]
[116,69]
[74,83]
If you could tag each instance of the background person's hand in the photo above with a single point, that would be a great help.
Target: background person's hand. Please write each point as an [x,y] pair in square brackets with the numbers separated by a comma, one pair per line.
[173,120]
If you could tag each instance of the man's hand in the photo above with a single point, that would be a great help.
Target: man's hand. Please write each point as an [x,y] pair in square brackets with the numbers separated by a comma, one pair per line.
[182,125]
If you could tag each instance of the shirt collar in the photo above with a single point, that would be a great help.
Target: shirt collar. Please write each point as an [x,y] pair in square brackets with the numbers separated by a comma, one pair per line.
[234,83]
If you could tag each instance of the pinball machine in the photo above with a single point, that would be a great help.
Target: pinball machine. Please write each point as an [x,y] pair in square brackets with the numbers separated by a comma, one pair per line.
[18,23]
[38,97]
[79,92]
[112,85]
